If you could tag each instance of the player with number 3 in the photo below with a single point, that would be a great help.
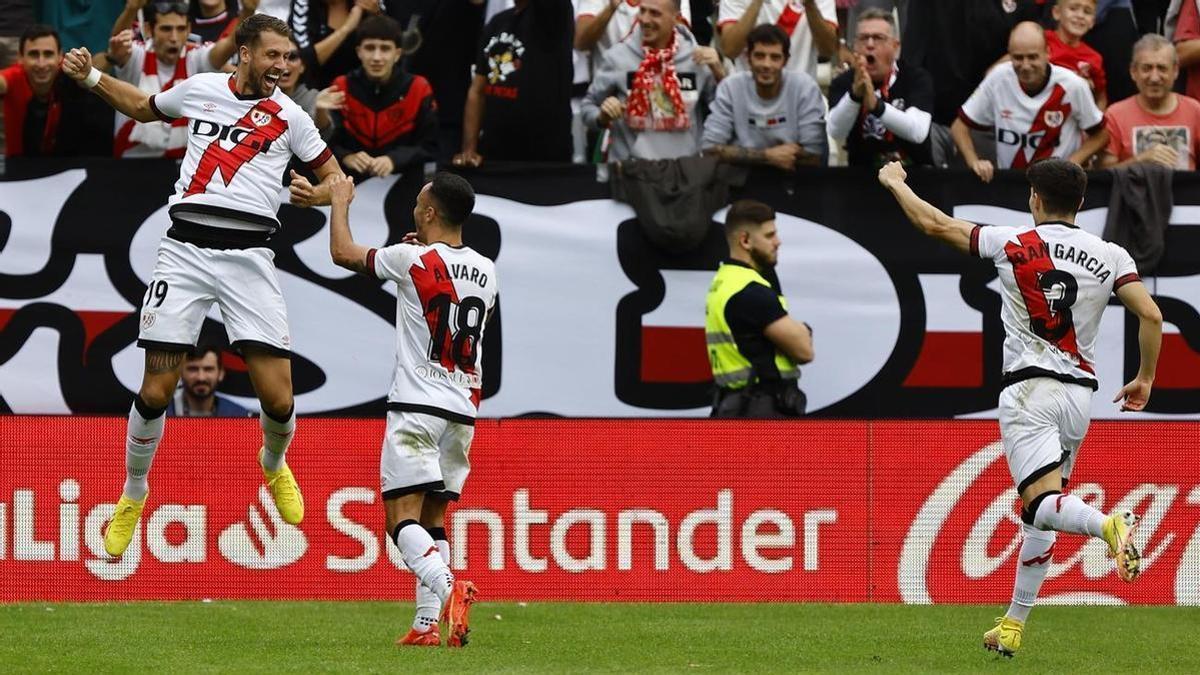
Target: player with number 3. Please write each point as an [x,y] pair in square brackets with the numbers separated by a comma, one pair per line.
[1055,282]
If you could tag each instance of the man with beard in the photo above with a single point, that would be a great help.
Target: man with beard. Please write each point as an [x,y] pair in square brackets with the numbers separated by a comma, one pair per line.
[771,115]
[153,68]
[754,346]
[43,115]
[242,132]
[388,121]
[203,372]
[881,107]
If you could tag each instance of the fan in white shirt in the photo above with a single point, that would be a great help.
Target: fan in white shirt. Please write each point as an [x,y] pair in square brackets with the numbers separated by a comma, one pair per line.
[1037,110]
[241,132]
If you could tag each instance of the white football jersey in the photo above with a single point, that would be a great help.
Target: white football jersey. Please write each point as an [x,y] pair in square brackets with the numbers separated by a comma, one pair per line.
[791,17]
[1056,282]
[1027,128]
[445,296]
[238,148]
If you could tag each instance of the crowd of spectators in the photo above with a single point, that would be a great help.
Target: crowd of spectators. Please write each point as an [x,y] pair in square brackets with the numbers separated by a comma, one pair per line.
[397,84]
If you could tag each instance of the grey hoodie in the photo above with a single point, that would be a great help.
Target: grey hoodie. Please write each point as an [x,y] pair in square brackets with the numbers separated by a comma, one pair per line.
[615,73]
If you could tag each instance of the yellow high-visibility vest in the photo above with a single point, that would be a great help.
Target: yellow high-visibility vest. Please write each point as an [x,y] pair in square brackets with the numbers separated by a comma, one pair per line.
[731,369]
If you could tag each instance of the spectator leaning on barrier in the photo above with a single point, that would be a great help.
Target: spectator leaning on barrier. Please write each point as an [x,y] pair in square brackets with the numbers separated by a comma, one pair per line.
[46,115]
[771,115]
[519,104]
[157,67]
[811,25]
[647,88]
[753,345]
[1036,109]
[1156,124]
[200,376]
[881,108]
[388,121]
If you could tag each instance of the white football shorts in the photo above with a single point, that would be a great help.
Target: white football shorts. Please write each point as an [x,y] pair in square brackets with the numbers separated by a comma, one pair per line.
[188,279]
[424,453]
[1042,424]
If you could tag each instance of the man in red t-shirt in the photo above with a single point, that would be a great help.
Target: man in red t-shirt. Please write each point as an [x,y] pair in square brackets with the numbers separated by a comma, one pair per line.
[31,110]
[1156,125]
[1067,49]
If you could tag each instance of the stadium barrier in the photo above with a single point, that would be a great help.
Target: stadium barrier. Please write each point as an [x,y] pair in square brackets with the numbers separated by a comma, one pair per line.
[596,510]
[593,321]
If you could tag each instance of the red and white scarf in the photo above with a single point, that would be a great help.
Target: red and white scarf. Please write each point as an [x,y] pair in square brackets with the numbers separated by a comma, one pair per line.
[658,66]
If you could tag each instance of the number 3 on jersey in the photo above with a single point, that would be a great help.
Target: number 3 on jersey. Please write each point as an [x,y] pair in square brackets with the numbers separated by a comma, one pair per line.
[455,324]
[1049,293]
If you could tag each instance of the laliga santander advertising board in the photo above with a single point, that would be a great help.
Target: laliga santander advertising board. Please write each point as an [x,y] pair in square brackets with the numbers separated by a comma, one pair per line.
[596,510]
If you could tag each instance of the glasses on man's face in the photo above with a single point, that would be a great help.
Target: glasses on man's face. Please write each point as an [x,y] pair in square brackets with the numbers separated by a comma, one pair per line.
[864,38]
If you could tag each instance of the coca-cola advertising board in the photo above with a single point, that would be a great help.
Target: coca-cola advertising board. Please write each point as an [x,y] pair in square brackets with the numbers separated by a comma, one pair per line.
[595,510]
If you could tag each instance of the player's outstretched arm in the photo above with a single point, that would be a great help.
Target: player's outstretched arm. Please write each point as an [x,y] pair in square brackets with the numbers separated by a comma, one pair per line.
[1133,396]
[925,216]
[125,97]
[342,247]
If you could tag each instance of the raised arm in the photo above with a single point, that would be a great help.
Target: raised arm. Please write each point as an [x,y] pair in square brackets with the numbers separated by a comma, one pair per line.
[122,96]
[733,35]
[1133,295]
[127,16]
[223,49]
[925,216]
[342,247]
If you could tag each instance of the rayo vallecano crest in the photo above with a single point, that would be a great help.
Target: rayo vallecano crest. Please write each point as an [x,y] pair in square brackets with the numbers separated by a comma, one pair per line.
[1053,118]
[262,119]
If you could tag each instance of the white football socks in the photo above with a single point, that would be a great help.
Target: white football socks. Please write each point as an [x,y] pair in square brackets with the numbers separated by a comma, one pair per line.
[1068,513]
[423,558]
[1033,561]
[141,440]
[429,606]
[276,438]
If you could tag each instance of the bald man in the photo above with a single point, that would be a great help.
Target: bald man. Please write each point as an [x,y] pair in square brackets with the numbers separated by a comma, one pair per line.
[1035,108]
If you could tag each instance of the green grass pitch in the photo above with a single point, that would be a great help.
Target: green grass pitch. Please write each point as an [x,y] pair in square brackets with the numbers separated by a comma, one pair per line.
[310,637]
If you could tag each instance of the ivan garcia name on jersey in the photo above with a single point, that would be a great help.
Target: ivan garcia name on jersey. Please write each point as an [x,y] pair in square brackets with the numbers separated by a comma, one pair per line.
[238,147]
[445,295]
[1029,127]
[1056,282]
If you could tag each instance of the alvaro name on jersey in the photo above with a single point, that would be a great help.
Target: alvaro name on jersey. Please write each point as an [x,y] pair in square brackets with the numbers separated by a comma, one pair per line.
[238,148]
[1056,281]
[1031,127]
[445,296]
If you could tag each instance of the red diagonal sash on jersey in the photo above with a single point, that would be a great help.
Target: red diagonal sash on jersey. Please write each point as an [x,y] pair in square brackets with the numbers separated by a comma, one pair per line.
[216,157]
[1031,261]
[1053,107]
[436,291]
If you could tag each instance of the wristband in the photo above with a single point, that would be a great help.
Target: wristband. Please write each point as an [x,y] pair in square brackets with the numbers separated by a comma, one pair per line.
[92,79]
[879,107]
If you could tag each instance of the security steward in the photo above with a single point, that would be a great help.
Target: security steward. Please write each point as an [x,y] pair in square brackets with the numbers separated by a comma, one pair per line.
[753,345]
